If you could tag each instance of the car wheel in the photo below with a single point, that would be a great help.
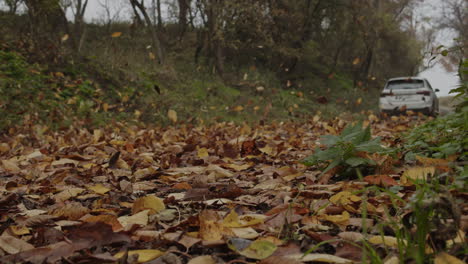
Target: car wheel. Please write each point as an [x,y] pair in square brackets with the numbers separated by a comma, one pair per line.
[434,111]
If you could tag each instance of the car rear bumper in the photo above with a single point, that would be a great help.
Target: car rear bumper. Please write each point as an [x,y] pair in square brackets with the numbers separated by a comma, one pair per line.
[415,106]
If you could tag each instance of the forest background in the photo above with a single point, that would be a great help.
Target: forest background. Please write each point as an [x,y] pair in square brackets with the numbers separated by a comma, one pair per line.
[209,60]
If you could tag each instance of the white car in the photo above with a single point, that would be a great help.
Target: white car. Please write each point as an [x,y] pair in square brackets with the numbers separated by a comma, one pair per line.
[409,93]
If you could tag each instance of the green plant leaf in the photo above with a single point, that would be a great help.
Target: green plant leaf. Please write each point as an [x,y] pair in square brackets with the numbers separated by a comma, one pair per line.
[356,161]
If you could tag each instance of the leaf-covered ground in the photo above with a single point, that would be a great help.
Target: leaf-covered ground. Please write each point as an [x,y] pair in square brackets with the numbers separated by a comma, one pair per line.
[218,194]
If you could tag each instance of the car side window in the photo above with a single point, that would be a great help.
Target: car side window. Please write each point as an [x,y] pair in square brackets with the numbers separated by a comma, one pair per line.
[428,85]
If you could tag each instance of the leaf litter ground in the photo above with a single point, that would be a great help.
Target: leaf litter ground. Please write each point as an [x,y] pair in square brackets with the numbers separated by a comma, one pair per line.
[188,194]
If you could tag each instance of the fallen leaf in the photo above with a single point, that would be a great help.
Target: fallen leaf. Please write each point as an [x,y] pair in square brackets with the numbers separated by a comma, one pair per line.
[13,245]
[319,258]
[140,219]
[385,240]
[380,180]
[202,260]
[67,194]
[344,198]
[202,153]
[99,189]
[444,258]
[258,249]
[172,115]
[417,173]
[144,255]
[149,202]
[234,220]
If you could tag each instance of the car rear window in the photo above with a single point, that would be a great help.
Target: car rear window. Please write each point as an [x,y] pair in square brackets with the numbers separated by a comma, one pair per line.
[405,84]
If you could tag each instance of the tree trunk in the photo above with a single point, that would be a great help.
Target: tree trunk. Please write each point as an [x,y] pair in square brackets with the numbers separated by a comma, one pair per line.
[158,7]
[157,48]
[184,6]
[48,24]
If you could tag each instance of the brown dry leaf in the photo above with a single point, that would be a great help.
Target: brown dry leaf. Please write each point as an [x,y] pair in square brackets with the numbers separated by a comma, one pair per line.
[4,147]
[71,211]
[106,219]
[211,226]
[68,193]
[149,202]
[381,180]
[10,166]
[99,189]
[140,219]
[13,245]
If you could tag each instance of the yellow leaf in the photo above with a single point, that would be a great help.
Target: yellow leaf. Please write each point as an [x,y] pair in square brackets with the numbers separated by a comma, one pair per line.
[259,249]
[137,114]
[116,34]
[359,101]
[341,219]
[172,115]
[444,258]
[344,198]
[234,220]
[65,37]
[385,240]
[238,108]
[202,153]
[356,61]
[99,189]
[417,173]
[144,255]
[105,107]
[19,230]
[151,202]
[97,135]
[151,56]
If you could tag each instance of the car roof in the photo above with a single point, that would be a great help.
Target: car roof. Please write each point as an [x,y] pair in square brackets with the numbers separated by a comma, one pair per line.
[406,78]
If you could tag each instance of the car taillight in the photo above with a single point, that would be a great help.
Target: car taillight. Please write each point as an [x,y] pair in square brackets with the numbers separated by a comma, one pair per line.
[386,94]
[424,93]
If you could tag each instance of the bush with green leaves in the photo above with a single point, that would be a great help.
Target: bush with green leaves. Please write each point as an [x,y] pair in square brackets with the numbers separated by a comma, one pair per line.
[440,138]
[347,150]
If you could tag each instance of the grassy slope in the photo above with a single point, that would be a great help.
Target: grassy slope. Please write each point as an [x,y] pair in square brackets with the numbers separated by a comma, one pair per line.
[116,81]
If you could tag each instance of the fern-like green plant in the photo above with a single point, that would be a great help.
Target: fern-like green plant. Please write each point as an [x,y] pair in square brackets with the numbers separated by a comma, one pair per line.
[347,149]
